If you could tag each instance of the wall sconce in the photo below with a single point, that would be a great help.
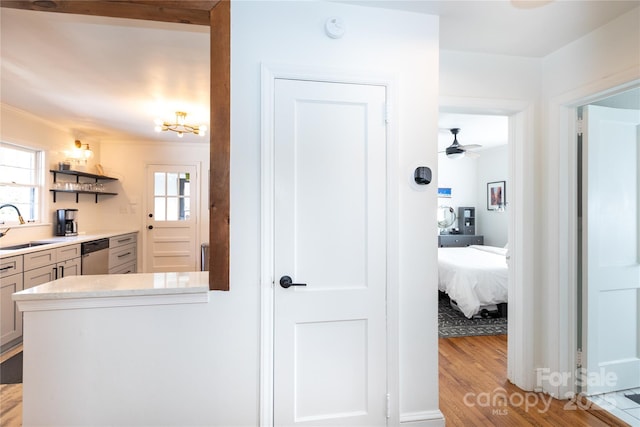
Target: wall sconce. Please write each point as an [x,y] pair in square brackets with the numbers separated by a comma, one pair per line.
[80,152]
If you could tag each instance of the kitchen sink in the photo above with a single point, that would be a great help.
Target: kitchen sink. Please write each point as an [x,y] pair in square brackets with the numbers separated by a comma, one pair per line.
[23,245]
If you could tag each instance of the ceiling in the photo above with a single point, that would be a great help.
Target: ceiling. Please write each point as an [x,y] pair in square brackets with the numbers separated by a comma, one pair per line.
[532,28]
[110,78]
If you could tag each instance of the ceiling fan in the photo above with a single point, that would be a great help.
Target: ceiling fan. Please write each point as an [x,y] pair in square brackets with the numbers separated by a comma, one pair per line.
[455,150]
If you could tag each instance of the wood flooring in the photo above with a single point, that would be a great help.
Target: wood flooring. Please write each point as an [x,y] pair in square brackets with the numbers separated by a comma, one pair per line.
[10,396]
[474,391]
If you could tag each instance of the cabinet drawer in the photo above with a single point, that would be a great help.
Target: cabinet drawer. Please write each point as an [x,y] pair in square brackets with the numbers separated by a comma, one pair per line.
[122,255]
[124,239]
[124,269]
[70,267]
[67,252]
[477,240]
[38,259]
[459,240]
[38,276]
[10,265]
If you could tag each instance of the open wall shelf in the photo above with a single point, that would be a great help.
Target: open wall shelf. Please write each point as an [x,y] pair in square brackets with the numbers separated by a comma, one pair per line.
[78,175]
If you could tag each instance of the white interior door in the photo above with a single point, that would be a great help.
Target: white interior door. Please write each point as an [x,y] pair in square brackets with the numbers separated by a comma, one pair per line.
[172,217]
[611,254]
[330,234]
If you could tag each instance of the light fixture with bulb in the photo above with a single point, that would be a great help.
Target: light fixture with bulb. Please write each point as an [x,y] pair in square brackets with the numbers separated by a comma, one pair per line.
[180,126]
[80,152]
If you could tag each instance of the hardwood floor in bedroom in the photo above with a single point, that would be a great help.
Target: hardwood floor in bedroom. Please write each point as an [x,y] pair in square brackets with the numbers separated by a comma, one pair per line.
[474,390]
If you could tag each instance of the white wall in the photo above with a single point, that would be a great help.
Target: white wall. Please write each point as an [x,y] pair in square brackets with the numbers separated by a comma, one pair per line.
[579,72]
[468,177]
[460,175]
[377,42]
[21,128]
[511,86]
[493,165]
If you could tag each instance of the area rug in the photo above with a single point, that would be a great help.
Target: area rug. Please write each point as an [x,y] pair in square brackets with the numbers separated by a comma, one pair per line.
[11,370]
[452,323]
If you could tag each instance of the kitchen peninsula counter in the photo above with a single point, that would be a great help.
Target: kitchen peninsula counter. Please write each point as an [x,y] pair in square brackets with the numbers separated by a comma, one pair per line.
[93,345]
[116,290]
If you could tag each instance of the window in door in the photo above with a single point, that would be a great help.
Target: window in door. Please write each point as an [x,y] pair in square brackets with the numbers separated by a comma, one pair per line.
[172,196]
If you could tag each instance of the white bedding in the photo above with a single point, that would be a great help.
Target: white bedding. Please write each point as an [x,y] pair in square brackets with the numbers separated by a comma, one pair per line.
[473,276]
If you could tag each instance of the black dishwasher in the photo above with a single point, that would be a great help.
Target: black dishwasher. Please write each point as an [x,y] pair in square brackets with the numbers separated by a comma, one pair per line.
[95,257]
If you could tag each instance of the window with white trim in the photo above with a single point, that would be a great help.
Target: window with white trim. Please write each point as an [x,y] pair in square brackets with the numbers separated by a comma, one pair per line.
[21,183]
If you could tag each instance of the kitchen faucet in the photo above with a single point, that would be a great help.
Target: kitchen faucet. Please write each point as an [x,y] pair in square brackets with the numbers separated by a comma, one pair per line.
[17,210]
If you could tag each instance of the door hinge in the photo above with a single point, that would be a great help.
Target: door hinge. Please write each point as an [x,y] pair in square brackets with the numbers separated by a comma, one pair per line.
[388,405]
[579,358]
[579,123]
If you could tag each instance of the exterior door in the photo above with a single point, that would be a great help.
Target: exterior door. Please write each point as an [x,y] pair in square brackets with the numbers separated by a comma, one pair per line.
[170,238]
[611,251]
[330,235]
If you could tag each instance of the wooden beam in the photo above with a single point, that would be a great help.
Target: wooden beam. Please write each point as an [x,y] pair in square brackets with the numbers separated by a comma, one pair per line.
[219,186]
[184,12]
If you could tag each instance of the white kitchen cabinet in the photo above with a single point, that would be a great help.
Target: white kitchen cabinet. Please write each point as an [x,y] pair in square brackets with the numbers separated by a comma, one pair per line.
[44,266]
[124,269]
[10,317]
[68,252]
[123,254]
[33,260]
[39,275]
[10,266]
[124,239]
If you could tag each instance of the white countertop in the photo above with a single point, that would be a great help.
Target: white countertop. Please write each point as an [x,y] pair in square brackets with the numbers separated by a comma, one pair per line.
[114,290]
[58,241]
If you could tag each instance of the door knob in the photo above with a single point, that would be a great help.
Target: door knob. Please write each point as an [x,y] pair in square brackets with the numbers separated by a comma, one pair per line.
[285,282]
[150,227]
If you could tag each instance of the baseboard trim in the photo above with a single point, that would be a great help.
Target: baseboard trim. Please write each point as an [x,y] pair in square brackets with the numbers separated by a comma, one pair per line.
[423,418]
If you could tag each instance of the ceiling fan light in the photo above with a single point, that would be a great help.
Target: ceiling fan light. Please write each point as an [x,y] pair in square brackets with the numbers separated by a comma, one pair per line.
[455,155]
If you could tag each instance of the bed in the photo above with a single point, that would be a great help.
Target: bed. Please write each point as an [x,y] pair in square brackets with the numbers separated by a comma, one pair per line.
[474,277]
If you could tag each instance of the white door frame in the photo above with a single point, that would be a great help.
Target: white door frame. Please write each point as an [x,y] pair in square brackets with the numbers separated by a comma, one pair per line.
[269,73]
[559,332]
[520,361]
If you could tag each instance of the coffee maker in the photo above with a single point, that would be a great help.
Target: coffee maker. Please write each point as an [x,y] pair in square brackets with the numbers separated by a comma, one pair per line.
[66,224]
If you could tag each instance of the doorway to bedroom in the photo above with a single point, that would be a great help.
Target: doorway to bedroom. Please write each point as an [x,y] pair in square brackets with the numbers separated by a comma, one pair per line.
[473,229]
[473,224]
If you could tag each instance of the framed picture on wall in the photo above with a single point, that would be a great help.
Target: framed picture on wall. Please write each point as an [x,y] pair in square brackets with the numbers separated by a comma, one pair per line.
[496,195]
